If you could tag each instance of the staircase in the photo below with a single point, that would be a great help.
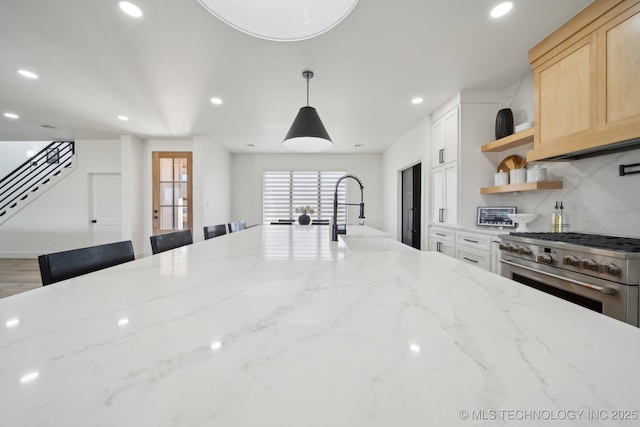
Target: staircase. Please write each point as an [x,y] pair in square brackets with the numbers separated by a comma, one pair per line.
[35,176]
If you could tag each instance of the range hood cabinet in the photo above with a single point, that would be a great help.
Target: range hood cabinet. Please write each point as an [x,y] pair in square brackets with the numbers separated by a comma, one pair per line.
[587,96]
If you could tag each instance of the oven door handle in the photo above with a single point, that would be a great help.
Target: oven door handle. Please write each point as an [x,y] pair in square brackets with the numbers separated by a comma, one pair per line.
[604,289]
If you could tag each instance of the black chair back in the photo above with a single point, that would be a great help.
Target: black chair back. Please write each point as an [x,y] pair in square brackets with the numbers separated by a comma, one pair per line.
[59,266]
[236,226]
[164,242]
[212,231]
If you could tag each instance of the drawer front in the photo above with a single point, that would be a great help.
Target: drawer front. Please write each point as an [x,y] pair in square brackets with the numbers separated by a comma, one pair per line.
[476,241]
[447,248]
[477,258]
[442,234]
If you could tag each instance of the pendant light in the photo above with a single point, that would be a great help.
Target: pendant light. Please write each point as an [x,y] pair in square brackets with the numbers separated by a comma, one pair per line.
[307,133]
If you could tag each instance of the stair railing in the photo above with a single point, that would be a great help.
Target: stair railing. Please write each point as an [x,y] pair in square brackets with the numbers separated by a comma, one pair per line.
[36,171]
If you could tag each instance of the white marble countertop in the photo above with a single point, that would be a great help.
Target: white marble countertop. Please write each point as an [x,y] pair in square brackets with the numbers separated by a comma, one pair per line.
[276,326]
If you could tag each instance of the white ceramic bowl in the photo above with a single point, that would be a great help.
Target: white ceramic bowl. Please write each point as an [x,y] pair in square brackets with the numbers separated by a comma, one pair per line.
[522,219]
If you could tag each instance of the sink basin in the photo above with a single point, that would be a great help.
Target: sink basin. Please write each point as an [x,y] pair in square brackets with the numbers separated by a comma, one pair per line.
[373,243]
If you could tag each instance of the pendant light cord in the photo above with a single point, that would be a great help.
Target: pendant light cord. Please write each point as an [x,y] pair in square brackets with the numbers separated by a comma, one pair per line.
[307,91]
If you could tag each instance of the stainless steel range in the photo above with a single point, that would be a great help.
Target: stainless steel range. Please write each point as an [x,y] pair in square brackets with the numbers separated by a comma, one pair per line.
[598,272]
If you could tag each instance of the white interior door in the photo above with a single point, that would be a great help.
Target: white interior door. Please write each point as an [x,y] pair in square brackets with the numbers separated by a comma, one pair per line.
[105,208]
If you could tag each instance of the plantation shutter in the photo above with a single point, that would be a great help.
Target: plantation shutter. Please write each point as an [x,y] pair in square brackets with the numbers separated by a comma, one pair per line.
[284,191]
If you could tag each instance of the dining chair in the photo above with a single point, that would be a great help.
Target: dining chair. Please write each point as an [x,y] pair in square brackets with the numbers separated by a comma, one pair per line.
[165,242]
[212,231]
[58,266]
[236,226]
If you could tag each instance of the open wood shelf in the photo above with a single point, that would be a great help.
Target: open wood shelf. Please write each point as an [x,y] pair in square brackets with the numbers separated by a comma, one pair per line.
[512,141]
[526,186]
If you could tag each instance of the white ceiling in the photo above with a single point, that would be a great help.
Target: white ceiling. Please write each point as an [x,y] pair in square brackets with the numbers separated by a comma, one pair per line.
[161,70]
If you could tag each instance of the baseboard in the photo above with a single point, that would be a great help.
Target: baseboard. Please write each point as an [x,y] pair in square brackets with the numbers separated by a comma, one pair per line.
[20,255]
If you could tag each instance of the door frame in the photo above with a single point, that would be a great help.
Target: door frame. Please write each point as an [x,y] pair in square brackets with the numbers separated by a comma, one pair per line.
[91,199]
[155,178]
[419,195]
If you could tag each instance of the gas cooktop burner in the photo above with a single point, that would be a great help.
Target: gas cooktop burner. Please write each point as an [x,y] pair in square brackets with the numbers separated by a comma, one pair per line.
[615,243]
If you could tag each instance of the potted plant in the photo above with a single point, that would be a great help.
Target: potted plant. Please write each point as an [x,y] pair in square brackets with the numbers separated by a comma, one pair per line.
[304,219]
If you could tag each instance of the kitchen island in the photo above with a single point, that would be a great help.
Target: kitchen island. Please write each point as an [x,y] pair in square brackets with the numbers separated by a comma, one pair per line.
[278,326]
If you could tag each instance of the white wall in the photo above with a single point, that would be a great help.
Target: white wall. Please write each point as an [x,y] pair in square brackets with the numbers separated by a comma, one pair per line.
[215,164]
[14,153]
[59,219]
[411,148]
[247,172]
[132,196]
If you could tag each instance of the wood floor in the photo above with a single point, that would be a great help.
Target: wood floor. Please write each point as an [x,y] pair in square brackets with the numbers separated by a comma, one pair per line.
[18,275]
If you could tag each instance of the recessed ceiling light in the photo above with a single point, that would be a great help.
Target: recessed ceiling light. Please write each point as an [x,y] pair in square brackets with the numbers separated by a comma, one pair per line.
[501,9]
[417,100]
[11,115]
[358,145]
[216,101]
[123,118]
[251,145]
[130,9]
[27,73]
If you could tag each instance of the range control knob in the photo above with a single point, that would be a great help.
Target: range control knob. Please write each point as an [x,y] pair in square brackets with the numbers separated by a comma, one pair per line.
[514,248]
[545,259]
[504,246]
[589,263]
[611,268]
[571,260]
[524,251]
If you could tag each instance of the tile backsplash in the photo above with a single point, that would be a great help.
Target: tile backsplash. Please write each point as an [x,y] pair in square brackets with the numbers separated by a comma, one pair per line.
[596,199]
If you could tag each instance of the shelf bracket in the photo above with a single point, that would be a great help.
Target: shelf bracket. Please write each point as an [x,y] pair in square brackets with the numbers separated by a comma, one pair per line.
[623,169]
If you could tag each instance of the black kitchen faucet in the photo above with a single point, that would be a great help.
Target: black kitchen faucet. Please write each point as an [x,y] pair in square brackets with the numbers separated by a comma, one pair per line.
[335,229]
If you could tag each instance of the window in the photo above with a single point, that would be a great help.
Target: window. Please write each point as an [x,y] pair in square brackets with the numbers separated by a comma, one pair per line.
[284,191]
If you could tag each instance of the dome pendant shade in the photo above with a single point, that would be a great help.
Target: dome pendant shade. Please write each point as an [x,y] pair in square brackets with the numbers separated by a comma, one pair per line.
[281,20]
[307,133]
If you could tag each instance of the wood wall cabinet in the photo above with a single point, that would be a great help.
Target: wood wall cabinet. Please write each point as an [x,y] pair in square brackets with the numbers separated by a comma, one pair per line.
[586,77]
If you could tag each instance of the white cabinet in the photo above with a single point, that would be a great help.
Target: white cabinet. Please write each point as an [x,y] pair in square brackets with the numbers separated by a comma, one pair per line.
[480,259]
[444,192]
[495,256]
[476,249]
[442,240]
[445,138]
[457,166]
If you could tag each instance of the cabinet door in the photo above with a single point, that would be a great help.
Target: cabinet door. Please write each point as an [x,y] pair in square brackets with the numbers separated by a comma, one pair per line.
[445,138]
[480,259]
[566,92]
[437,142]
[444,191]
[619,66]
[451,135]
[441,246]
[451,194]
[437,195]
